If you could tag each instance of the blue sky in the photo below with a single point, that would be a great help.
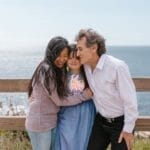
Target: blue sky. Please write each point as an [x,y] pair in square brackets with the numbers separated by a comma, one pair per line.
[28,24]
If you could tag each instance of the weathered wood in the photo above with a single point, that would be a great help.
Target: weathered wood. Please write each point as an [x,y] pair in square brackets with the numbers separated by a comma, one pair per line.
[142,84]
[12,122]
[18,123]
[14,85]
[143,123]
[21,85]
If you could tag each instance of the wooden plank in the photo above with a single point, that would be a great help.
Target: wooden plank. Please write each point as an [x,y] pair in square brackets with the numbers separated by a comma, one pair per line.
[12,122]
[14,85]
[143,123]
[21,85]
[18,123]
[142,84]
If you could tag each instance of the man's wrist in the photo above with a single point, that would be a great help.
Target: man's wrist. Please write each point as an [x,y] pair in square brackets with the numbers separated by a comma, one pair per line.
[128,128]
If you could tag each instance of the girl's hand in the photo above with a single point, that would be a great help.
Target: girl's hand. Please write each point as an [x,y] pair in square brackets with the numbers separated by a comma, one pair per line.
[89,92]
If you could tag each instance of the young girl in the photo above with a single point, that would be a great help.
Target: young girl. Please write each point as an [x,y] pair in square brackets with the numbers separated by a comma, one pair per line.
[75,122]
[47,92]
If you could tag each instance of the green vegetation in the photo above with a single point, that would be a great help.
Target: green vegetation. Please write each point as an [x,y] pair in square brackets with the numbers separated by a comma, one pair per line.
[14,140]
[141,144]
[19,140]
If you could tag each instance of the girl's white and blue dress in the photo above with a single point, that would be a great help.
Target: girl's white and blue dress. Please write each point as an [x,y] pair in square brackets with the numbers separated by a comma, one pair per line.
[75,122]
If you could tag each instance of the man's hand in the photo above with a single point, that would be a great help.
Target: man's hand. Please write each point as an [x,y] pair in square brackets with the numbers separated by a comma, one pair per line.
[128,137]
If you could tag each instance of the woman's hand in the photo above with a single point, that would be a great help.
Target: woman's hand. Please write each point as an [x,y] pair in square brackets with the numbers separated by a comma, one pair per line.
[31,98]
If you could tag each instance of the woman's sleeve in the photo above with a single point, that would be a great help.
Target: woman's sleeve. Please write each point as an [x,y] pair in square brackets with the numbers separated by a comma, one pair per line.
[67,100]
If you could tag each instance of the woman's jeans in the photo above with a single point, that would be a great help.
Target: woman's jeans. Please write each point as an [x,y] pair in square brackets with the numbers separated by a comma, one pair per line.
[42,140]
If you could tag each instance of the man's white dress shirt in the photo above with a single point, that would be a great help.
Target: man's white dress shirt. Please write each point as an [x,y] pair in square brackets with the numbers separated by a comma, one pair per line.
[113,90]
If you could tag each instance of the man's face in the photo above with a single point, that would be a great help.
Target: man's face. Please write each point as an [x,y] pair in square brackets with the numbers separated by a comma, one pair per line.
[83,51]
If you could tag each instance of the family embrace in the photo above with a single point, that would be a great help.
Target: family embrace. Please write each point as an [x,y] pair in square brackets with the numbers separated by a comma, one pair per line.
[80,98]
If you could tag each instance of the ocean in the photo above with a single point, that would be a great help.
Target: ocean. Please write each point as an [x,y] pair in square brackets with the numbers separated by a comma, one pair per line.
[21,65]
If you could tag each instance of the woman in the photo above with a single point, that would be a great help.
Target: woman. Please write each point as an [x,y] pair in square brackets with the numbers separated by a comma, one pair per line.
[75,122]
[47,91]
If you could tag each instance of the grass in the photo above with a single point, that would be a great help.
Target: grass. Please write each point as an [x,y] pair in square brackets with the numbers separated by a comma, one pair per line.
[14,140]
[140,144]
[19,140]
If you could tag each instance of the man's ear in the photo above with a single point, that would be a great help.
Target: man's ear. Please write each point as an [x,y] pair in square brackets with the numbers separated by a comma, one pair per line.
[94,48]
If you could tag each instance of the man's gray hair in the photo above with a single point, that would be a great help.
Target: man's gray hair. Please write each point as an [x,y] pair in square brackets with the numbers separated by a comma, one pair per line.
[92,37]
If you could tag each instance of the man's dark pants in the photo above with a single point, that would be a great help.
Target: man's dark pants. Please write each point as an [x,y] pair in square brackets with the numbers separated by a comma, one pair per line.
[106,131]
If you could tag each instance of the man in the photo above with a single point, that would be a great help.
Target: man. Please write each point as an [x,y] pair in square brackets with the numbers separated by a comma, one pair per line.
[113,93]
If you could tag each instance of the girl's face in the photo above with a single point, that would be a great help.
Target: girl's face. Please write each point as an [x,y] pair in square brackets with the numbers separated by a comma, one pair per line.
[73,62]
[62,58]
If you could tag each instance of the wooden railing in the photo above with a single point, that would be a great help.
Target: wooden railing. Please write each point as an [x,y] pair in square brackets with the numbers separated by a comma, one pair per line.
[20,85]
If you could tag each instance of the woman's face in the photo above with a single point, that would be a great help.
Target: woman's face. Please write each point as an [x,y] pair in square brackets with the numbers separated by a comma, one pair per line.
[73,62]
[62,58]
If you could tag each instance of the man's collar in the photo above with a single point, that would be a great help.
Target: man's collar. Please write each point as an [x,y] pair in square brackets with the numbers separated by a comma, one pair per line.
[101,61]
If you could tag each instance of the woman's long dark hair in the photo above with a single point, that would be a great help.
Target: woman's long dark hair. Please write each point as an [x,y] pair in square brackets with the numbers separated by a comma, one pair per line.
[73,51]
[49,71]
